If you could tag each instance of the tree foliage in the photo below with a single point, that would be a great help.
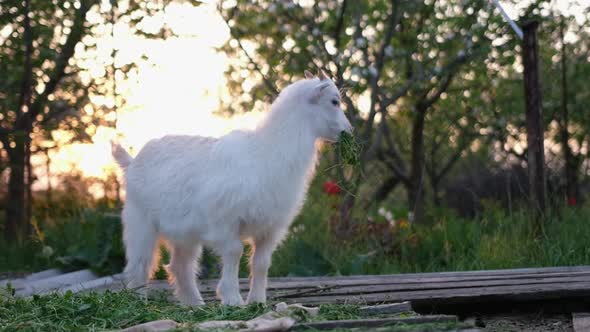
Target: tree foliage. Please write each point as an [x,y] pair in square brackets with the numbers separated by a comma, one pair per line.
[426,83]
[55,78]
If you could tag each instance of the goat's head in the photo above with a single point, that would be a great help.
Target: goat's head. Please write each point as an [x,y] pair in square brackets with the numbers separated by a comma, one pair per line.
[325,105]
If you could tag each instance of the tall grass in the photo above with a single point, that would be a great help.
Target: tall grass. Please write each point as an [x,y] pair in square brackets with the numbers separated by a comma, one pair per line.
[86,239]
[496,240]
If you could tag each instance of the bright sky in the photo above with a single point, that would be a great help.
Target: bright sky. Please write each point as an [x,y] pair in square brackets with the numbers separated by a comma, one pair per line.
[177,95]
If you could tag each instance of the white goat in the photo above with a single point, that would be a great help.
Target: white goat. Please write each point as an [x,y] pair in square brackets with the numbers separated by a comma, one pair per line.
[245,186]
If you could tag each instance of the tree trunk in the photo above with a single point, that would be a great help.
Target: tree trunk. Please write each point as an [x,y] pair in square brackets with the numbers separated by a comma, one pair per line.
[536,150]
[15,205]
[28,230]
[16,210]
[434,183]
[48,192]
[570,169]
[385,189]
[416,181]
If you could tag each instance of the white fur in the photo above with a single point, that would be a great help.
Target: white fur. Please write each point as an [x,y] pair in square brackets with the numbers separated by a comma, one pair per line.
[246,186]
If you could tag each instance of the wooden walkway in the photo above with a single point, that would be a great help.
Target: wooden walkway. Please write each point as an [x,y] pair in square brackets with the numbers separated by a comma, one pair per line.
[564,289]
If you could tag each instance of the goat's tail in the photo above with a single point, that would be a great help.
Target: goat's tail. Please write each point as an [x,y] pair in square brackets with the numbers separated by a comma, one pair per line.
[122,157]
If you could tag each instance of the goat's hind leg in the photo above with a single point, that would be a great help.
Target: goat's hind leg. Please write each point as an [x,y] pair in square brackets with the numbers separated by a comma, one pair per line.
[183,269]
[140,239]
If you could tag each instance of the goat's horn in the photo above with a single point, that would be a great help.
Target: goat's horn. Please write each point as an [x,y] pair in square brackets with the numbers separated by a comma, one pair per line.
[322,75]
[308,74]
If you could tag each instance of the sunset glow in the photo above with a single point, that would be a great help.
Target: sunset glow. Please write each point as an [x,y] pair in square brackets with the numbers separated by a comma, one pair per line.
[177,93]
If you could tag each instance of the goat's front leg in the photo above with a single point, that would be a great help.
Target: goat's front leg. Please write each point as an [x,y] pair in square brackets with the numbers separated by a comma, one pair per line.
[259,264]
[229,286]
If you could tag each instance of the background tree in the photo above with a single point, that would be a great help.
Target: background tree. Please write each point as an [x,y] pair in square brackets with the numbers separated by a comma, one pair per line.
[397,58]
[48,84]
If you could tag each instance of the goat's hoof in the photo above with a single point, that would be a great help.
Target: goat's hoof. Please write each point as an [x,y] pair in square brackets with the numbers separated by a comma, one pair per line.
[255,299]
[192,302]
[232,301]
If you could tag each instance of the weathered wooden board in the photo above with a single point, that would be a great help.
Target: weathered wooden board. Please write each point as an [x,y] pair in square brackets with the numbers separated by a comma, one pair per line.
[424,290]
[42,285]
[581,321]
[373,323]
[416,286]
[402,281]
[386,309]
[518,292]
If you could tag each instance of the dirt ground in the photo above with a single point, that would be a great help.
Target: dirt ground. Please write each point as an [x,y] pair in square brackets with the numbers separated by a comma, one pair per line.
[526,323]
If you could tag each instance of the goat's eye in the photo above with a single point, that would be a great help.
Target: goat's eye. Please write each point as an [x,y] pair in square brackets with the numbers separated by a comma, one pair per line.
[335,102]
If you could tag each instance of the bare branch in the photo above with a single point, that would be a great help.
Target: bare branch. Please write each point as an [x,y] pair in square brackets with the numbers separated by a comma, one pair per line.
[337,40]
[339,25]
[269,84]
[67,51]
[393,167]
[27,78]
[386,187]
[357,19]
[392,20]
[399,167]
[451,70]
[389,100]
[376,143]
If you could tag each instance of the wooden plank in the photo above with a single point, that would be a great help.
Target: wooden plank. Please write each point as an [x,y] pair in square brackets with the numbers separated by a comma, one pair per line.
[382,309]
[279,284]
[373,323]
[581,321]
[449,274]
[354,290]
[460,295]
[303,284]
[62,280]
[519,292]
[512,286]
[104,282]
[20,282]
[434,277]
[297,282]
[437,277]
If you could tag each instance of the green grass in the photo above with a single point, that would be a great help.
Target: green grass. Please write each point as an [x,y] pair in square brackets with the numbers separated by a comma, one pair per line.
[116,310]
[495,241]
[109,310]
[87,239]
[348,149]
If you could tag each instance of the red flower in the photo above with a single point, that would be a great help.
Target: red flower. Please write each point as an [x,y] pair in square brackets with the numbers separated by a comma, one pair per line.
[571,201]
[331,188]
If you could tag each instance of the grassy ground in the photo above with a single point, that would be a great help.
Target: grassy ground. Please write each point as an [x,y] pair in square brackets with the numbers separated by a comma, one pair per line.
[111,311]
[381,243]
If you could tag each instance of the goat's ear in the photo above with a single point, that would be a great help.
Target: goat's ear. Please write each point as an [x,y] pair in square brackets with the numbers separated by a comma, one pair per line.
[308,74]
[318,91]
[322,75]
